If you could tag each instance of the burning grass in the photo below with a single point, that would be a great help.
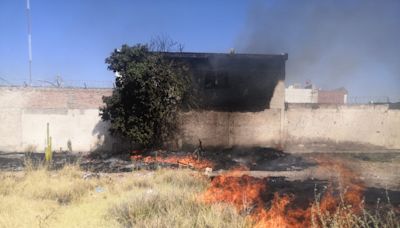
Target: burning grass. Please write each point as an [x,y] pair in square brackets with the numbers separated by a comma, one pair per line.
[337,206]
[180,160]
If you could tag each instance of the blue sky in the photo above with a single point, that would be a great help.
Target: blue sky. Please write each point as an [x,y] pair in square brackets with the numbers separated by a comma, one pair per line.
[72,38]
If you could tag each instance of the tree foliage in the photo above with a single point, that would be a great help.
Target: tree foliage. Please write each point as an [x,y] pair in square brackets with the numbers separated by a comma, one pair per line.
[149,91]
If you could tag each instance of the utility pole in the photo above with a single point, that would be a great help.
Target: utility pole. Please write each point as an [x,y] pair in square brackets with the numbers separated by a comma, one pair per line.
[28,13]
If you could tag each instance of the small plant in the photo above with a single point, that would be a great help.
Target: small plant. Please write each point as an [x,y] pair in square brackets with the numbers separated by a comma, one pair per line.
[69,146]
[29,150]
[47,150]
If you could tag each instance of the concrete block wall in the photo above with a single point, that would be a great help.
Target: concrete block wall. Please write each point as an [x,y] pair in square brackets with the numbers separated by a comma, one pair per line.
[226,129]
[341,128]
[73,115]
[278,97]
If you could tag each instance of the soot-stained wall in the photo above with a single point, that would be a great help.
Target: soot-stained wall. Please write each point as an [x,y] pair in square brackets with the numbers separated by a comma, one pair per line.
[235,82]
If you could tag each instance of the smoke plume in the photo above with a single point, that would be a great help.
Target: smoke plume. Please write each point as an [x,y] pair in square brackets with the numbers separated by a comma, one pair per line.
[349,43]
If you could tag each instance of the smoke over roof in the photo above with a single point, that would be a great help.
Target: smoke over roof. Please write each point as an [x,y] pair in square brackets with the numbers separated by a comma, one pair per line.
[355,44]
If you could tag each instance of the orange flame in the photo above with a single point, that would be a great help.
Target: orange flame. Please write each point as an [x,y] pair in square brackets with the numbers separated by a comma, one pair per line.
[352,187]
[248,194]
[183,160]
[243,192]
[280,215]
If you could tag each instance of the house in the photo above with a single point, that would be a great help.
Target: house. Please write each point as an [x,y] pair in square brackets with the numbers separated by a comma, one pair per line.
[236,82]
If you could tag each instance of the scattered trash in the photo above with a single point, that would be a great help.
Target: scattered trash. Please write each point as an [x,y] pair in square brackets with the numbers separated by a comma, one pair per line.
[208,171]
[99,189]
[90,176]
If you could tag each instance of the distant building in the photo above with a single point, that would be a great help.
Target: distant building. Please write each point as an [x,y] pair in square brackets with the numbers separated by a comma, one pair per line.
[310,94]
[299,94]
[337,96]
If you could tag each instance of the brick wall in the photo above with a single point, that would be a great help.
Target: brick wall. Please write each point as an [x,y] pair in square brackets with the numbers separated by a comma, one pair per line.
[331,97]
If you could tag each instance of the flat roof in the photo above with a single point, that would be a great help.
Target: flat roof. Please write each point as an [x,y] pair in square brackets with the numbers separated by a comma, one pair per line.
[283,56]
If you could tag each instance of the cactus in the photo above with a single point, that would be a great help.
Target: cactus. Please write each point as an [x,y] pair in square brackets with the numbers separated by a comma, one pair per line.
[48,152]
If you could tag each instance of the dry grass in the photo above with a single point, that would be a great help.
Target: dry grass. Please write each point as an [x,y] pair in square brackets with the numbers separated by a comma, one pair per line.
[174,204]
[166,198]
[63,198]
[382,216]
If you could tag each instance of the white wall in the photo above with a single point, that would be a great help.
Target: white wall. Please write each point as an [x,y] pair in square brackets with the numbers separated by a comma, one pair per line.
[299,95]
[83,128]
[73,115]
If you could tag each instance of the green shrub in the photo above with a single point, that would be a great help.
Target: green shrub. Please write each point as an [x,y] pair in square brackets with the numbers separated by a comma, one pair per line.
[148,93]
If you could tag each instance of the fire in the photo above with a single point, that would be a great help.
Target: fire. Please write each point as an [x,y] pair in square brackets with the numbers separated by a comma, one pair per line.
[351,187]
[243,192]
[280,215]
[249,195]
[253,197]
[187,160]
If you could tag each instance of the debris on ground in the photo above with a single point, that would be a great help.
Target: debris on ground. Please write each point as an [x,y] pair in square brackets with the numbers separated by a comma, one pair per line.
[87,176]
[253,158]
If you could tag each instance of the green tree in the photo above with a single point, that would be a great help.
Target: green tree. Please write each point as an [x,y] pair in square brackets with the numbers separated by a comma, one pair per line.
[149,91]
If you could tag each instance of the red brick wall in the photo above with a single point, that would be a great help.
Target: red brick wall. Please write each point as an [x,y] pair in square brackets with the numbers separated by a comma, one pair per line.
[51,98]
[331,97]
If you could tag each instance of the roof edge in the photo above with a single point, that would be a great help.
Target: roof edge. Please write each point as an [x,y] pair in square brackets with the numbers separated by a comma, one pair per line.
[284,56]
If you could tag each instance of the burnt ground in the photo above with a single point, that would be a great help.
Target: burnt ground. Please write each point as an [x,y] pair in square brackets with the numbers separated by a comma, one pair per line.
[292,174]
[261,159]
[306,175]
[17,161]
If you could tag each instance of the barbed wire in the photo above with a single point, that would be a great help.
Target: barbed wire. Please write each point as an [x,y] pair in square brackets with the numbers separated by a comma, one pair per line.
[61,83]
[368,100]
[57,83]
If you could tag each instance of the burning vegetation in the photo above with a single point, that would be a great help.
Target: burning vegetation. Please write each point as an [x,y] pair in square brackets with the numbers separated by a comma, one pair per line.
[277,202]
[189,160]
[340,204]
